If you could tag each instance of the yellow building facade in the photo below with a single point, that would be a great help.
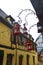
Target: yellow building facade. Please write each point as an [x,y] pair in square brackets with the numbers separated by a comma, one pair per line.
[13,53]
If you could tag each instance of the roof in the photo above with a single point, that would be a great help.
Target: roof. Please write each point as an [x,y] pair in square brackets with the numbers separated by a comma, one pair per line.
[38,6]
[5,22]
[2,13]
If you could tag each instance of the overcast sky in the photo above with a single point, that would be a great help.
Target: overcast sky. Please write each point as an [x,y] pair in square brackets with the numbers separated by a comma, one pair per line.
[14,7]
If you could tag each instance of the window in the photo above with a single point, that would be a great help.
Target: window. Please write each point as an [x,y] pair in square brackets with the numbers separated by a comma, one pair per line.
[27,59]
[20,59]
[1,57]
[13,38]
[9,59]
[18,40]
[24,41]
[33,60]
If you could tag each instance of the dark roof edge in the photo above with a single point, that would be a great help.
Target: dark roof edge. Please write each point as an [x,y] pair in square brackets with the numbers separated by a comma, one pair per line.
[5,22]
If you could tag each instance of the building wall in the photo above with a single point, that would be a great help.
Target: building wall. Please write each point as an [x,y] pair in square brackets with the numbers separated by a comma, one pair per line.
[23,52]
[5,44]
[6,52]
[5,35]
[16,54]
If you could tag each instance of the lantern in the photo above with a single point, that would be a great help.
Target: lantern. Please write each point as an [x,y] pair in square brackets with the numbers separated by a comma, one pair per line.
[16,29]
[29,45]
